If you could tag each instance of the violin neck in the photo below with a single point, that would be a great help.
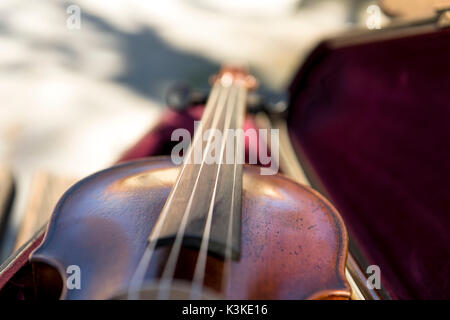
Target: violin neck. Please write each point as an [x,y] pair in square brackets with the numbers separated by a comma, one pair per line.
[205,203]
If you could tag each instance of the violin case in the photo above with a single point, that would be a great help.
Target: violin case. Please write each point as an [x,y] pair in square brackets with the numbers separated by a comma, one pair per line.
[369,119]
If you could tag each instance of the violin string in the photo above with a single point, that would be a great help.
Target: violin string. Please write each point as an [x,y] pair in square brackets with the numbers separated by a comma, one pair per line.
[169,269]
[200,266]
[139,274]
[238,147]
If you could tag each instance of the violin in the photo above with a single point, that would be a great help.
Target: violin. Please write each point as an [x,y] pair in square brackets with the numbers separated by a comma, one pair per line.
[152,229]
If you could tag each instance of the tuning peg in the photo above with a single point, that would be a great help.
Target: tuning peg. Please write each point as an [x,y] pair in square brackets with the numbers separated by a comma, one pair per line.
[272,104]
[181,96]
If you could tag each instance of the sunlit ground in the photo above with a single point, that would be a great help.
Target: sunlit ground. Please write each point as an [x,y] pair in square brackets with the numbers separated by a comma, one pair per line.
[73,100]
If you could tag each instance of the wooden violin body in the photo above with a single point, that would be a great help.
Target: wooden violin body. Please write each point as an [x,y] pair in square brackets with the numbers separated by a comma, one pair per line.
[294,243]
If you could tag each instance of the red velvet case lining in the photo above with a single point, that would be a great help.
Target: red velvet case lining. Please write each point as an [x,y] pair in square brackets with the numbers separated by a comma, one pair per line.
[373,120]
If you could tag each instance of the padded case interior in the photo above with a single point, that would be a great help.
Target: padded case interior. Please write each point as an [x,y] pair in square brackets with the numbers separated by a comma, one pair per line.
[370,116]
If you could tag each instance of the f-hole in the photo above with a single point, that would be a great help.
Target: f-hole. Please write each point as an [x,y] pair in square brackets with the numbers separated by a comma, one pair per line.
[48,283]
[34,281]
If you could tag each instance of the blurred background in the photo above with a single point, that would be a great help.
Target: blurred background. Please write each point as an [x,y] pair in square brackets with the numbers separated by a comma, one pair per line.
[76,91]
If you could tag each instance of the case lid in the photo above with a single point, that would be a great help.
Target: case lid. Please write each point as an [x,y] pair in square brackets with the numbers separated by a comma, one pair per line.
[370,117]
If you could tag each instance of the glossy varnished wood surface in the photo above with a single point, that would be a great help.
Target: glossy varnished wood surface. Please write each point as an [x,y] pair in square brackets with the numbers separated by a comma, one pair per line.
[294,243]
